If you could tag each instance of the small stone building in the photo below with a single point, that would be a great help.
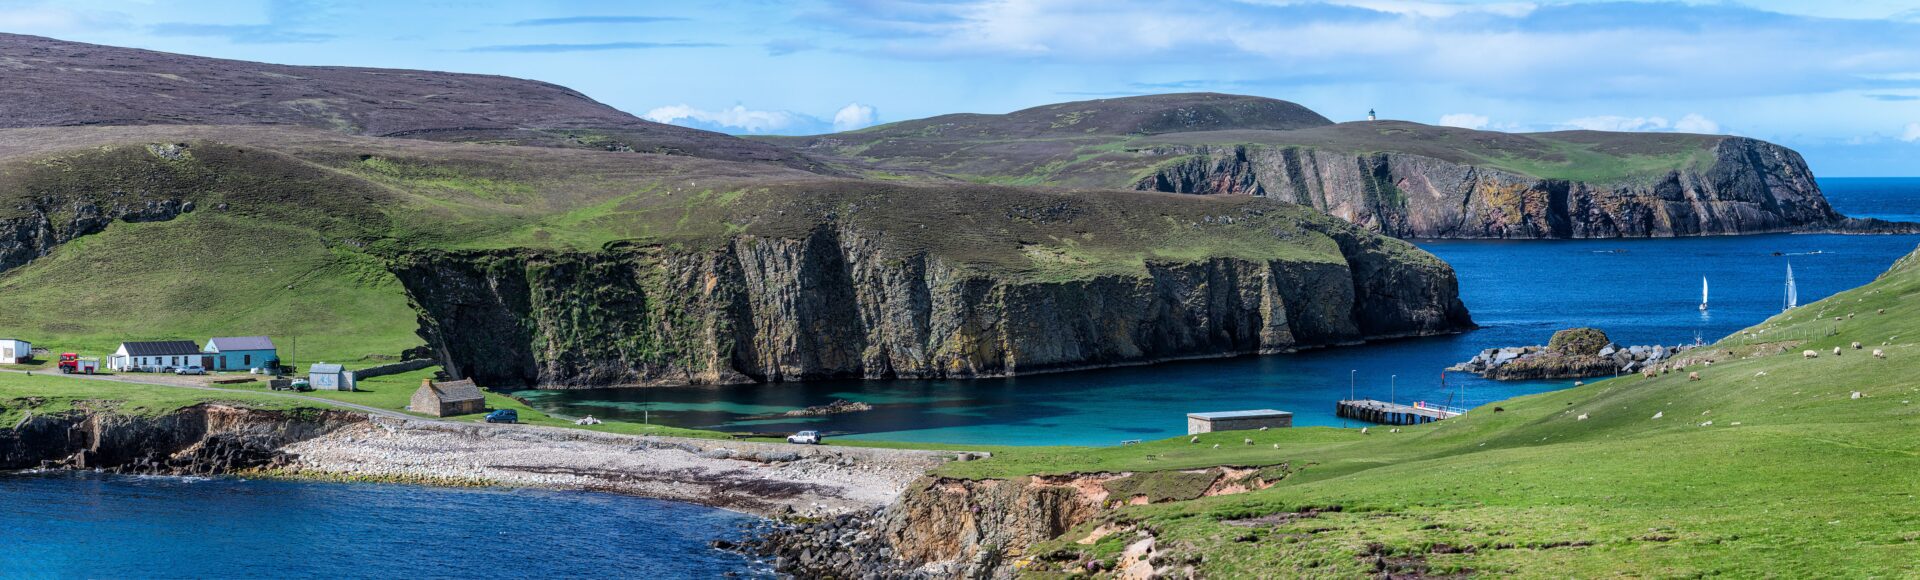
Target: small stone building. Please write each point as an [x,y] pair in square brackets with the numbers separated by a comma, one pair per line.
[447,399]
[1198,423]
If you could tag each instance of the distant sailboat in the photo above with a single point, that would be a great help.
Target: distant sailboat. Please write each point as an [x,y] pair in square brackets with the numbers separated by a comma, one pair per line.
[1703,293]
[1793,295]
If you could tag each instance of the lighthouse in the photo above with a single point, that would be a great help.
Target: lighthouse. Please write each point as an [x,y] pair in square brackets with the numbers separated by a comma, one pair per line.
[1370,115]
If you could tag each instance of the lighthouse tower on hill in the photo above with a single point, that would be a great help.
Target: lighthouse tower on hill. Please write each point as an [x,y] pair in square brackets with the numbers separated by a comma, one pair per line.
[1371,116]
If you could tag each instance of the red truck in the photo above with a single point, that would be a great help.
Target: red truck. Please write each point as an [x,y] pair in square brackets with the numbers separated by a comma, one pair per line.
[70,363]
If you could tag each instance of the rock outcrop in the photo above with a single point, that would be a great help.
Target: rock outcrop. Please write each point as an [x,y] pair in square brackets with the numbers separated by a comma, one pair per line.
[1749,186]
[834,303]
[207,439]
[1571,354]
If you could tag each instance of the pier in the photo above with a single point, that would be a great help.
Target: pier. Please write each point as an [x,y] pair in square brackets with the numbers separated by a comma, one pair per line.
[1386,413]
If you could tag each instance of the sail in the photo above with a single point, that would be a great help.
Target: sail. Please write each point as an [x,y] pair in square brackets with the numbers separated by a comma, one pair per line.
[1793,296]
[1703,290]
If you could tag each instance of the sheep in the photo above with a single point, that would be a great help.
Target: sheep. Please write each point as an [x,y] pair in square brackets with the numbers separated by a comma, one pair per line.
[1579,383]
[1760,374]
[1363,430]
[1707,424]
[1693,376]
[1856,345]
[1263,428]
[1216,446]
[1836,351]
[1882,311]
[1582,417]
[1810,353]
[1877,353]
[1856,395]
[1195,439]
[1248,441]
[1649,372]
[1659,414]
[1276,446]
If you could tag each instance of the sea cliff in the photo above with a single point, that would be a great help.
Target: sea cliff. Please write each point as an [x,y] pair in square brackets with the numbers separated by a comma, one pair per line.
[1747,186]
[835,303]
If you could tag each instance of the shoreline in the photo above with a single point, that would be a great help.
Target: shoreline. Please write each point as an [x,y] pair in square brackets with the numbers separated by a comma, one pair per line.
[761,479]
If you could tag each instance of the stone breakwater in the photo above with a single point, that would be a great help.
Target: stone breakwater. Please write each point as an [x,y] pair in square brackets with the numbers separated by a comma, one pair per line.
[768,479]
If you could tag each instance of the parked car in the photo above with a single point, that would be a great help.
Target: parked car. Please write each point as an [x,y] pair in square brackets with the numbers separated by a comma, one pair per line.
[190,370]
[504,416]
[805,438]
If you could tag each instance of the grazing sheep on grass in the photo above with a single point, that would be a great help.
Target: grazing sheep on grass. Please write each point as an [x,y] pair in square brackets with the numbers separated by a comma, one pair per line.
[1882,311]
[1579,383]
[1216,446]
[1649,373]
[1276,446]
[1856,345]
[1195,439]
[1363,430]
[1856,395]
[1810,353]
[1248,440]
[1582,417]
[1659,414]
[1263,428]
[1836,351]
[1693,376]
[1877,353]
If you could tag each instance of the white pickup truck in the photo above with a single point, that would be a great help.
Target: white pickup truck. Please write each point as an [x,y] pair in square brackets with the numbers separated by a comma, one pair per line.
[805,438]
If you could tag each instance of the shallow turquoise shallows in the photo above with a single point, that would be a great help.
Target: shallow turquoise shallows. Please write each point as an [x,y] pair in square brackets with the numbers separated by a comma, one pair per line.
[1639,291]
[85,525]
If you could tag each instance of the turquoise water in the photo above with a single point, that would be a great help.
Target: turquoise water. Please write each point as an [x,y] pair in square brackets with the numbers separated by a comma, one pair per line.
[1639,291]
[73,525]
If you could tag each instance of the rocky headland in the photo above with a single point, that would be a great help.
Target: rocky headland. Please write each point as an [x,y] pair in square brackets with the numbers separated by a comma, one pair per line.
[1571,354]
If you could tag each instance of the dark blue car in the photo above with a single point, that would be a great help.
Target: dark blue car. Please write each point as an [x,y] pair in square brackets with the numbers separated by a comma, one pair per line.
[504,416]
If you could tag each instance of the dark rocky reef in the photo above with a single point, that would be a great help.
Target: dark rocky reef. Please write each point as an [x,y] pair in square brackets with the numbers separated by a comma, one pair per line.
[207,439]
[1750,186]
[1571,354]
[833,303]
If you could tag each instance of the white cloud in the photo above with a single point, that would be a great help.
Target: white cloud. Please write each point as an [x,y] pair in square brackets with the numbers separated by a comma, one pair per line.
[1912,134]
[1465,121]
[1618,123]
[738,119]
[1694,123]
[853,116]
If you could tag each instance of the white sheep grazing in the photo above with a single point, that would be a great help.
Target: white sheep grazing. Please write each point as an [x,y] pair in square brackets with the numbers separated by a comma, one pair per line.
[1836,351]
[1693,376]
[1582,417]
[1877,353]
[1276,446]
[1248,441]
[1195,439]
[1810,353]
[1856,395]
[1760,374]
[1659,414]
[1216,446]
[1856,345]
[1882,311]
[1263,428]
[1707,424]
[1579,383]
[1363,430]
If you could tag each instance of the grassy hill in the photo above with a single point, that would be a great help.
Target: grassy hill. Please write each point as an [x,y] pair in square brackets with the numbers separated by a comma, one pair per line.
[292,229]
[54,83]
[1116,142]
[1767,466]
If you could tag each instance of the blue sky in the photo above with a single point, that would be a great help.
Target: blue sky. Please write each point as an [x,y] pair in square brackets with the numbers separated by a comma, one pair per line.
[1838,81]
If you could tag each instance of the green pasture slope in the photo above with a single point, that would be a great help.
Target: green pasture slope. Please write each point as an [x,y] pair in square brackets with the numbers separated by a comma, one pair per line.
[1767,466]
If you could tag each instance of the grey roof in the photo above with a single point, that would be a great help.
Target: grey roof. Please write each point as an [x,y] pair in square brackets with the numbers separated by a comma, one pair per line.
[1254,414]
[461,390]
[231,343]
[323,369]
[161,348]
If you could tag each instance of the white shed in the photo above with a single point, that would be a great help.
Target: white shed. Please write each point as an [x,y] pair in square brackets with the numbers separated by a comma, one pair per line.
[14,351]
[329,377]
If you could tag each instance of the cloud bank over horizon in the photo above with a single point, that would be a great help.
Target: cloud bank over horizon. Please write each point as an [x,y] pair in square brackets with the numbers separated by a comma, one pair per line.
[1840,82]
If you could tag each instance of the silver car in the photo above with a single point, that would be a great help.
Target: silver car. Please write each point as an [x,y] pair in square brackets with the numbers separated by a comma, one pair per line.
[805,438]
[190,370]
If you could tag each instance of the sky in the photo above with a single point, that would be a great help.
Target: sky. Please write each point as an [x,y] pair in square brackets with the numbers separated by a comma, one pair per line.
[1837,81]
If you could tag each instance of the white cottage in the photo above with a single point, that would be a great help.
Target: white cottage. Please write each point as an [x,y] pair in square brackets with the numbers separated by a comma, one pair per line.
[159,355]
[14,351]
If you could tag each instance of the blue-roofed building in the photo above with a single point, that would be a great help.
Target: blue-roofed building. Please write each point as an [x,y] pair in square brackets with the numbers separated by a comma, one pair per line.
[239,353]
[1198,423]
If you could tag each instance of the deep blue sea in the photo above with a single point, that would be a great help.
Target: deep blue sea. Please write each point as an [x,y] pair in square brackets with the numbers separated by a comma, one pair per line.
[73,525]
[1638,291]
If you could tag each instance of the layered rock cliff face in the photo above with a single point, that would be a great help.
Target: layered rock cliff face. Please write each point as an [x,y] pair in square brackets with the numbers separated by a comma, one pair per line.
[197,440]
[834,303]
[1750,187]
[49,222]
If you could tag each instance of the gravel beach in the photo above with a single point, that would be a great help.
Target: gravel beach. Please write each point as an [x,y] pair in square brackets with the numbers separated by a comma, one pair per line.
[759,478]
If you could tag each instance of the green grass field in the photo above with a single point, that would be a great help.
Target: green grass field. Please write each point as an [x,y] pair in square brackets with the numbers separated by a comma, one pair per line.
[1765,467]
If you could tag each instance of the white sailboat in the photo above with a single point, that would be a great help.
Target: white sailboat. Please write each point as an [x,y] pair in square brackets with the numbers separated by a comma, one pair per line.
[1703,293]
[1793,295]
